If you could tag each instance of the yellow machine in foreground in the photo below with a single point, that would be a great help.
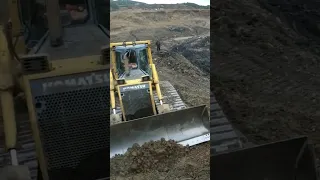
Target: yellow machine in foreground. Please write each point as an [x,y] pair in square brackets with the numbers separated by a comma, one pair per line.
[61,129]
[144,108]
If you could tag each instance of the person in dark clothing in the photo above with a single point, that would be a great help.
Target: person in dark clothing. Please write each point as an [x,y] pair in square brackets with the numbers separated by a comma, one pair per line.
[158,45]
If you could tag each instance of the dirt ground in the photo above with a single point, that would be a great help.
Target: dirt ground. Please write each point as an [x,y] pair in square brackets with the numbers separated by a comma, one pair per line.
[265,67]
[184,61]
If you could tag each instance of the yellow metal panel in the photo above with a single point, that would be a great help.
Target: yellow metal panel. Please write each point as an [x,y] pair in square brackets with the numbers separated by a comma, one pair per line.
[121,104]
[9,120]
[6,97]
[152,99]
[20,47]
[72,66]
[130,43]
[35,130]
[149,54]
[112,92]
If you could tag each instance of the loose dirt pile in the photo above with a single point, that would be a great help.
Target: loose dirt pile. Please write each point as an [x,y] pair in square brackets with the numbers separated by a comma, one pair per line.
[161,160]
[266,67]
[157,155]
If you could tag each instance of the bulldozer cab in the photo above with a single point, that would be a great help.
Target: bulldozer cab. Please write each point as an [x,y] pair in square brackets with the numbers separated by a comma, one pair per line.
[134,90]
[138,61]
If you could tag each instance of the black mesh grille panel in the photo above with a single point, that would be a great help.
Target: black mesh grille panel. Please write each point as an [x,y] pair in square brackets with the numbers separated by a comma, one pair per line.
[73,121]
[137,109]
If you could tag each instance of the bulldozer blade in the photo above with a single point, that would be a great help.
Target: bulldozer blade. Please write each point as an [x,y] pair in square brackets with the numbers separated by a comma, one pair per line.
[292,159]
[188,126]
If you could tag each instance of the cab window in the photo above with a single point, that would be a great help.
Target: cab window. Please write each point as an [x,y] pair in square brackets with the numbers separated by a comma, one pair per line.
[120,65]
[143,60]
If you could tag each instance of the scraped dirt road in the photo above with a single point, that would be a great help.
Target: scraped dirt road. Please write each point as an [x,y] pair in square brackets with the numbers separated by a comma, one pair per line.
[184,61]
[266,67]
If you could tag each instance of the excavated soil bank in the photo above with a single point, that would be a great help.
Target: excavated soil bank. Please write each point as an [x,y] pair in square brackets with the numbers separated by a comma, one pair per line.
[265,67]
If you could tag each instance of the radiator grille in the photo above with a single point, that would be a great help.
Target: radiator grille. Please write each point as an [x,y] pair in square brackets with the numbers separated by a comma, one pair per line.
[73,123]
[137,109]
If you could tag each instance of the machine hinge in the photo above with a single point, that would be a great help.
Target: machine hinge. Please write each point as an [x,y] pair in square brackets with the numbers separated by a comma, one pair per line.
[105,55]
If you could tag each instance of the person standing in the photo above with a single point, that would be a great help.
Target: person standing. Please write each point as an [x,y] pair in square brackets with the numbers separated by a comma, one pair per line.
[158,46]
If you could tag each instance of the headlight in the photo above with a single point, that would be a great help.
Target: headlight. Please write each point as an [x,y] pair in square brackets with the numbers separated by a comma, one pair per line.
[145,78]
[121,81]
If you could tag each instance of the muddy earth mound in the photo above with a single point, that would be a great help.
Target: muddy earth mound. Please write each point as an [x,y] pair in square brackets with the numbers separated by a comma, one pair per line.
[154,155]
[266,67]
[185,62]
[161,160]
[197,49]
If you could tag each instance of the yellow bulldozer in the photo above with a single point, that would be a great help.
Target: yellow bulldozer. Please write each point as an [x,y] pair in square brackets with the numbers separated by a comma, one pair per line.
[143,108]
[54,92]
